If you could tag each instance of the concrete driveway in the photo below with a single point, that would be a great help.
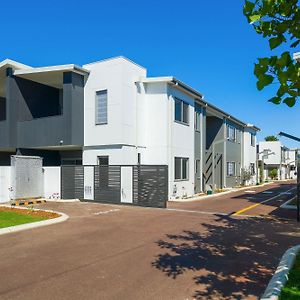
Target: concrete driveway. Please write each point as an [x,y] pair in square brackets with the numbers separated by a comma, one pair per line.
[121,252]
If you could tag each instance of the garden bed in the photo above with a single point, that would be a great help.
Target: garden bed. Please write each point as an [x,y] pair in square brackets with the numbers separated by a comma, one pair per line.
[291,290]
[13,216]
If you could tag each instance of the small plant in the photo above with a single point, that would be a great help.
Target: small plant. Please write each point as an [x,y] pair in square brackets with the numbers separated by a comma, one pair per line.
[273,174]
[246,175]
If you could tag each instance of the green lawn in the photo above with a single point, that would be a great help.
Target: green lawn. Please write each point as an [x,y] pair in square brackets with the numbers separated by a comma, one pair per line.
[291,291]
[9,218]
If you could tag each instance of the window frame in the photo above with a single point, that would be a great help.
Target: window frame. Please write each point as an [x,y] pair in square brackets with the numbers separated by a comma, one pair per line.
[252,139]
[197,121]
[96,107]
[183,113]
[234,130]
[182,171]
[233,164]
[102,156]
[252,169]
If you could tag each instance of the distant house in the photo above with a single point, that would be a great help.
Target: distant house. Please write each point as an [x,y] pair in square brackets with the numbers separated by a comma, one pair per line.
[274,155]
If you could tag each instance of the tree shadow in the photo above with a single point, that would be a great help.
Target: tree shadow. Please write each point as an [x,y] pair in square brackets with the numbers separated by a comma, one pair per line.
[229,258]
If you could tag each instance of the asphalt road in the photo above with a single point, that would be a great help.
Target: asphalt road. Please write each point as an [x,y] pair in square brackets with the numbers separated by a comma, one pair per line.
[121,252]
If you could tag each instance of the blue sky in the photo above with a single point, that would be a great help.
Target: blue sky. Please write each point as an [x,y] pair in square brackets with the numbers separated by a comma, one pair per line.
[207,44]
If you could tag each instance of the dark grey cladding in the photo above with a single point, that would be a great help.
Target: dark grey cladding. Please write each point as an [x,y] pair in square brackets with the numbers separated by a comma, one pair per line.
[38,115]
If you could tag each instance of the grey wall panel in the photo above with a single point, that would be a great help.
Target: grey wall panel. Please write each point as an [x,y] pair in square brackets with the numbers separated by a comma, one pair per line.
[73,99]
[36,100]
[150,186]
[214,130]
[27,101]
[72,182]
[107,184]
[41,132]
[2,109]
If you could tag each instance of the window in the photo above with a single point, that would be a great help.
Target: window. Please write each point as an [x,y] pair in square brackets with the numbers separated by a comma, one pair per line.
[103,160]
[231,133]
[181,168]
[197,168]
[139,158]
[230,168]
[181,111]
[101,107]
[197,121]
[252,140]
[252,168]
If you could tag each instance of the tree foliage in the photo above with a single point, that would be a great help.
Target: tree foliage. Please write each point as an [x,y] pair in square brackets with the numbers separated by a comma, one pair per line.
[273,174]
[271,138]
[279,22]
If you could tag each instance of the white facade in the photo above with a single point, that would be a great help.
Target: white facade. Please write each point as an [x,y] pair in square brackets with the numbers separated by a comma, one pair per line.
[276,156]
[141,122]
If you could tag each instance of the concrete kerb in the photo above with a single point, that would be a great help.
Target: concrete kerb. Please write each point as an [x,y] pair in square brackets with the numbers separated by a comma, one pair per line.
[280,277]
[63,217]
[62,200]
[192,199]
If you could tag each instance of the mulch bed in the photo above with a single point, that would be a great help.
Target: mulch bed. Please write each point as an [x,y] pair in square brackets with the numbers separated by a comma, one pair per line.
[31,212]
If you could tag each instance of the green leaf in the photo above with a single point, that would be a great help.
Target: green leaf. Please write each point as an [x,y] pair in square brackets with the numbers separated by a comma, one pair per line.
[263,81]
[275,42]
[275,100]
[295,44]
[293,93]
[254,18]
[282,90]
[248,7]
[290,101]
[284,60]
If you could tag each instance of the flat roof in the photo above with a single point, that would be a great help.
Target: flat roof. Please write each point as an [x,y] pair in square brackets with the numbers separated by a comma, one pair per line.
[9,63]
[297,56]
[59,68]
[198,96]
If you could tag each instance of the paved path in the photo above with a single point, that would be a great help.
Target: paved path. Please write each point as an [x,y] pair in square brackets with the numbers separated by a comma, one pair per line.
[121,252]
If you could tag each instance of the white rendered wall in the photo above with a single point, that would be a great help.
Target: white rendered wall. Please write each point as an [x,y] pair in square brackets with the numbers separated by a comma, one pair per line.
[118,77]
[249,154]
[164,138]
[5,184]
[275,147]
[52,182]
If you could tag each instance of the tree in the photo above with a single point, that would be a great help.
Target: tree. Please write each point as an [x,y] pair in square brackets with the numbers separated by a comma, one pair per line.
[279,21]
[271,138]
[273,174]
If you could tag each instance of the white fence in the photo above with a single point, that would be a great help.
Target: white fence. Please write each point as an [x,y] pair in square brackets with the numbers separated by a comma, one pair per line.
[49,187]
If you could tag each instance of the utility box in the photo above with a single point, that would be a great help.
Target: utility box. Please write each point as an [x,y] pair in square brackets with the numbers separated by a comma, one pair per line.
[26,177]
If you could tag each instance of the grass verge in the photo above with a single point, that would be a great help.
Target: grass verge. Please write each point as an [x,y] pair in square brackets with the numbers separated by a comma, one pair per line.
[291,291]
[12,216]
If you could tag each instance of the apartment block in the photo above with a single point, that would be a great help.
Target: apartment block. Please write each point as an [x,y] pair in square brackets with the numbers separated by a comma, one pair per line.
[111,113]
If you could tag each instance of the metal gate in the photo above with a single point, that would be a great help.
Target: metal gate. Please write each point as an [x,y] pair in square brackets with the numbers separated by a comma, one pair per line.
[72,182]
[141,185]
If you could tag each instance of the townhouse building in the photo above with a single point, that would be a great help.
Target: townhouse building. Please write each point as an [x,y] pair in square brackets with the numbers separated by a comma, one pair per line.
[110,113]
[274,155]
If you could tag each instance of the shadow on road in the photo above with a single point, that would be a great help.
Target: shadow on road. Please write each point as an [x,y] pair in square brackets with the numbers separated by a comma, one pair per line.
[228,258]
